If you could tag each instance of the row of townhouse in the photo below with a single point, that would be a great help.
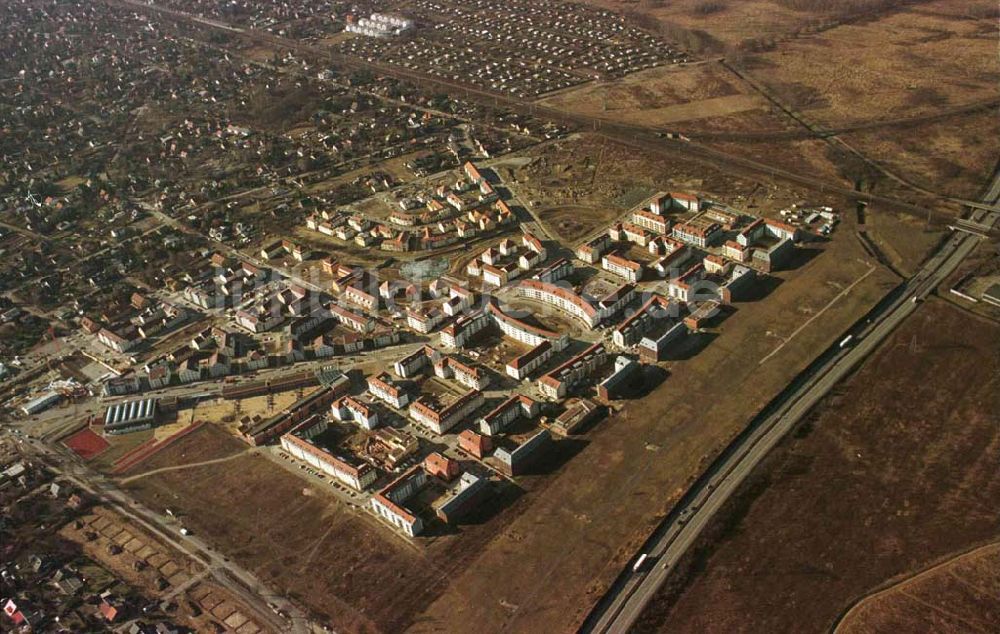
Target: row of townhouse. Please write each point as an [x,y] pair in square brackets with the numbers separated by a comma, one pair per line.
[424,319]
[414,363]
[282,247]
[331,344]
[350,319]
[616,301]
[681,287]
[562,298]
[120,339]
[651,221]
[522,366]
[345,468]
[652,349]
[158,317]
[507,412]
[388,503]
[727,280]
[493,268]
[555,271]
[699,234]
[674,262]
[628,232]
[358,296]
[440,419]
[522,331]
[517,460]
[259,432]
[592,250]
[557,383]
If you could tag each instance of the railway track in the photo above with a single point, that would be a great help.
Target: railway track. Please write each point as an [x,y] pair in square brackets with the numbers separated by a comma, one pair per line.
[637,136]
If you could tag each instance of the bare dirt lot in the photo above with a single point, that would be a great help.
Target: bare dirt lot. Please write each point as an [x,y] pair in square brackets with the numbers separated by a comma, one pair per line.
[894,472]
[838,65]
[207,442]
[601,179]
[340,563]
[158,571]
[958,595]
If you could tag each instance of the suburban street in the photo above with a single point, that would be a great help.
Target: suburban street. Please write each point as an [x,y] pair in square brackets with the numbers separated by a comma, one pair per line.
[633,590]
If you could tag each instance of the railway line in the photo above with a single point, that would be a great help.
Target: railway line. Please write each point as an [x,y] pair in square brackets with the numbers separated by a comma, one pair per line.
[637,136]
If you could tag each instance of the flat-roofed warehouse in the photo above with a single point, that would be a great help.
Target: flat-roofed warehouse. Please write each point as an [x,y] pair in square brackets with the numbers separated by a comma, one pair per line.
[129,416]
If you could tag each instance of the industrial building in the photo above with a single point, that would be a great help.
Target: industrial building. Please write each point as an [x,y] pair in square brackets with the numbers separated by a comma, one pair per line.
[41,403]
[130,416]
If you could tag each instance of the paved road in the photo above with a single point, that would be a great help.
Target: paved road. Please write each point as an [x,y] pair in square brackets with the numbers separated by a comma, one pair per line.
[635,135]
[632,591]
[228,574]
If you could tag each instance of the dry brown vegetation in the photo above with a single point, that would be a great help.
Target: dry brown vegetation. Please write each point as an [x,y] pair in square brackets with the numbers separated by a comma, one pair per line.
[340,563]
[893,472]
[958,595]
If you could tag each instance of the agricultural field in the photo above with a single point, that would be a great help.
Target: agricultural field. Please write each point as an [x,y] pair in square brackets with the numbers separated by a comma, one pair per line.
[908,62]
[893,473]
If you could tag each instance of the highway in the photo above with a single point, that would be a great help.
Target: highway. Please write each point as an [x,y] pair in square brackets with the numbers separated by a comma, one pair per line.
[632,590]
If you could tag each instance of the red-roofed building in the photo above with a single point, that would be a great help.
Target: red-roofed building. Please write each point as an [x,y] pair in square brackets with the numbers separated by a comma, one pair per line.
[474,444]
[441,466]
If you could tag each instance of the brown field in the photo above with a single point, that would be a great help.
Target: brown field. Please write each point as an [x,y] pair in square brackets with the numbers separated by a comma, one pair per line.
[893,472]
[575,223]
[740,20]
[906,63]
[144,560]
[850,63]
[958,595]
[556,559]
[590,172]
[939,155]
[663,96]
[341,564]
[208,442]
